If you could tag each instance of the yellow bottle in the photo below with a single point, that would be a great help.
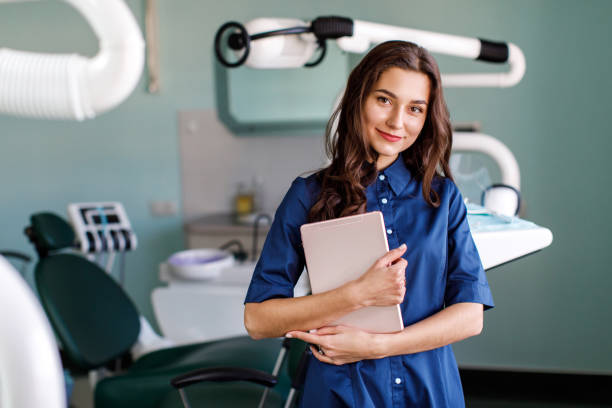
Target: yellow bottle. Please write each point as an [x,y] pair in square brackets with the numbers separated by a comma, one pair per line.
[244,201]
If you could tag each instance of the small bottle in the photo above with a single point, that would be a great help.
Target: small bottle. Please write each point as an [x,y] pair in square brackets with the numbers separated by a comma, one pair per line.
[244,201]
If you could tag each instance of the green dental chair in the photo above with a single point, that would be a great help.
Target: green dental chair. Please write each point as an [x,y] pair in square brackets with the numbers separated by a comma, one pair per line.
[96,324]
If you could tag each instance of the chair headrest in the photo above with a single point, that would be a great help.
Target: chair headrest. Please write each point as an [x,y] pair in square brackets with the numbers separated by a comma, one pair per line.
[50,232]
[92,315]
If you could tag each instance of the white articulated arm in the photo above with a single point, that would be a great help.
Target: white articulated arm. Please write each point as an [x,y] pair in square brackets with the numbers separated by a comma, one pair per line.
[365,34]
[516,60]
[70,86]
[290,43]
[30,368]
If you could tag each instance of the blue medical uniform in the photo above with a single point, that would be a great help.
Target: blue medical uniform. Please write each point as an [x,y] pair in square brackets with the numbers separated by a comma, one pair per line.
[443,269]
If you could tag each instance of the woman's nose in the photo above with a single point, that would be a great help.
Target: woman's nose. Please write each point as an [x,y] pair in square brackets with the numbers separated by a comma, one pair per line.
[395,119]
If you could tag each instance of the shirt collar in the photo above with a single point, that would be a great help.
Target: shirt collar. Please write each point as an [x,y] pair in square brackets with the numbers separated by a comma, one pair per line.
[398,175]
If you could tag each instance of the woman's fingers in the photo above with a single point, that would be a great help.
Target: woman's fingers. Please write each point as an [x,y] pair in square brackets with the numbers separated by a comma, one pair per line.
[391,256]
[384,283]
[307,337]
[331,330]
[315,338]
[399,263]
[321,357]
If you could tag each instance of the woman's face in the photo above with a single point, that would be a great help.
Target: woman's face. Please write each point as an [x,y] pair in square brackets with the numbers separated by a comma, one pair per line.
[394,112]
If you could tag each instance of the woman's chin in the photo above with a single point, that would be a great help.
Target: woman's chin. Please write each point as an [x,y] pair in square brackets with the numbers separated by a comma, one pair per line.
[390,152]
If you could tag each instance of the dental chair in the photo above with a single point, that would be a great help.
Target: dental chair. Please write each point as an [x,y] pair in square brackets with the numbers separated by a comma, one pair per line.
[97,324]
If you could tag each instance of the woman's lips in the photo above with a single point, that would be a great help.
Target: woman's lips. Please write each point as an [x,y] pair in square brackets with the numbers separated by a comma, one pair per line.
[389,137]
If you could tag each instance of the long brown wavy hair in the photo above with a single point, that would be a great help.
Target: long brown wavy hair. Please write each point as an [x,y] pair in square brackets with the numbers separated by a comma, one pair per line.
[353,160]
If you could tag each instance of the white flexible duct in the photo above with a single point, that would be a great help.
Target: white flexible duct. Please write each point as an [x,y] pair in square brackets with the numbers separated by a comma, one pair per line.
[499,152]
[366,33]
[30,368]
[60,86]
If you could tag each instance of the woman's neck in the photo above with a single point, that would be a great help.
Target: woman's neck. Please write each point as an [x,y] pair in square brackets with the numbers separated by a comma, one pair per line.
[384,161]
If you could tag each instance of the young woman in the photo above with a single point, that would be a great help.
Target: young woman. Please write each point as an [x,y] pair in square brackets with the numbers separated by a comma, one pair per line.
[390,153]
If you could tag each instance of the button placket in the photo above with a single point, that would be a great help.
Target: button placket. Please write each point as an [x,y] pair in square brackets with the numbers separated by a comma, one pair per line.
[383,192]
[397,390]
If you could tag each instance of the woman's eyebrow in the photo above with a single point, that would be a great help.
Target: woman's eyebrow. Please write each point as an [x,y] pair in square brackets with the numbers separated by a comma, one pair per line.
[391,94]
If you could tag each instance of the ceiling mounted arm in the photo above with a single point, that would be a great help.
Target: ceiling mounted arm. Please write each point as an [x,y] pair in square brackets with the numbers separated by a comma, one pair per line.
[290,43]
[367,34]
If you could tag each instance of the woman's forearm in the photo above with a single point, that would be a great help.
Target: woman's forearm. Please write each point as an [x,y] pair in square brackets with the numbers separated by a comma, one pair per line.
[452,324]
[276,317]
[341,345]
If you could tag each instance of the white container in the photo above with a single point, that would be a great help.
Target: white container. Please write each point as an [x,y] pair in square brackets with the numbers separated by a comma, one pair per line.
[199,264]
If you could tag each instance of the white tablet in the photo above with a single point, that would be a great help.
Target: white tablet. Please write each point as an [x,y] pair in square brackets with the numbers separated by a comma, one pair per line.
[340,250]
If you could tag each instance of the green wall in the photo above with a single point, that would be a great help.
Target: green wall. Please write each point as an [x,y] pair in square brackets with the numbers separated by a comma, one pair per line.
[552,308]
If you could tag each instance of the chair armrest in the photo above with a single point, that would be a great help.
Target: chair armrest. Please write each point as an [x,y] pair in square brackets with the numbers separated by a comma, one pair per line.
[223,374]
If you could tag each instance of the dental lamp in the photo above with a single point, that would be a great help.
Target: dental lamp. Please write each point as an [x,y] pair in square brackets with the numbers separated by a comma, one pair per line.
[291,43]
[71,86]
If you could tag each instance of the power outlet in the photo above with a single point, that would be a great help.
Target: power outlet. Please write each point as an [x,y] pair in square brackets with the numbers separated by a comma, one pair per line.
[163,208]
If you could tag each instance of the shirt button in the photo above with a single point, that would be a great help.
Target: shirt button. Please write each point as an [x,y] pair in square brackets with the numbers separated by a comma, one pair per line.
[389,231]
[384,201]
[398,380]
[381,177]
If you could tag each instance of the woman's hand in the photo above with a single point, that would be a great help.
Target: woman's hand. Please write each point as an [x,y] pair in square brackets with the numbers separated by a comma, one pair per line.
[340,344]
[384,284]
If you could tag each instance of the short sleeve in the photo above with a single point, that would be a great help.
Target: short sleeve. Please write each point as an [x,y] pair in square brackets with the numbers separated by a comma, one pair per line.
[466,279]
[282,258]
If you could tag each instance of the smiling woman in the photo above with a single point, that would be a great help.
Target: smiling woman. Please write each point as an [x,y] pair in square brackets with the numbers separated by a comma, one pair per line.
[394,113]
[390,154]
[395,90]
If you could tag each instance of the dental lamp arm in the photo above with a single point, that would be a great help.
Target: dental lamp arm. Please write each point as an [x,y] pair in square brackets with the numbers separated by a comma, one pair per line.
[70,86]
[289,43]
[365,34]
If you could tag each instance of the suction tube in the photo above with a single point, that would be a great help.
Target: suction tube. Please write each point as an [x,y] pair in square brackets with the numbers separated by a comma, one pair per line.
[70,86]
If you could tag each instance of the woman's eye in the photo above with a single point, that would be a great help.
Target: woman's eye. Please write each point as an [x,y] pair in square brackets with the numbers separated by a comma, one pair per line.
[383,99]
[416,109]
